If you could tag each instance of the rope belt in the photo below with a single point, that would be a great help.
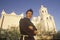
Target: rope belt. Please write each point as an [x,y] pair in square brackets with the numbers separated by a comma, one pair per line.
[24,36]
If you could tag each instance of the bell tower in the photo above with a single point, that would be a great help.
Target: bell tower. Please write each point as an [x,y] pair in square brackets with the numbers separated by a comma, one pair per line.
[47,20]
[43,10]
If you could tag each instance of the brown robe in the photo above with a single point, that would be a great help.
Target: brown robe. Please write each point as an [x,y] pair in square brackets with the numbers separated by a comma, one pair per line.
[24,30]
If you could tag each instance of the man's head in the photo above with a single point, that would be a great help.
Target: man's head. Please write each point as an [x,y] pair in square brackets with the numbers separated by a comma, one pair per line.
[29,13]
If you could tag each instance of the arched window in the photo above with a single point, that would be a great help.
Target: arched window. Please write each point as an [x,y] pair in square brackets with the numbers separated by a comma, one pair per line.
[42,11]
[50,18]
[45,11]
[41,19]
[47,17]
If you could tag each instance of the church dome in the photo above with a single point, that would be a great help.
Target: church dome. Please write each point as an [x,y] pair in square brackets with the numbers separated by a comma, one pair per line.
[13,13]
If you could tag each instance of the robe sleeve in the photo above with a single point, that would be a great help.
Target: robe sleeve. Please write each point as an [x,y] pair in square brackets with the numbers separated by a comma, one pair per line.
[24,24]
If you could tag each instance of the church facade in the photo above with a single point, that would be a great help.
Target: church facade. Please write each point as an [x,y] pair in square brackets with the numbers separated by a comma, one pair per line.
[44,22]
[10,20]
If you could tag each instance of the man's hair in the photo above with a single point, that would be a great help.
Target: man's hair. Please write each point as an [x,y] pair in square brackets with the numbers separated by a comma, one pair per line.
[30,11]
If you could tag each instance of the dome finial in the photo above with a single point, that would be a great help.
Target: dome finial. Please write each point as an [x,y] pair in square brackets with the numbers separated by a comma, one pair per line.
[3,12]
[42,6]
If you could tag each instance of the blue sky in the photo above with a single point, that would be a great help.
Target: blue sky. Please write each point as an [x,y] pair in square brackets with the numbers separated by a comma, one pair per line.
[19,6]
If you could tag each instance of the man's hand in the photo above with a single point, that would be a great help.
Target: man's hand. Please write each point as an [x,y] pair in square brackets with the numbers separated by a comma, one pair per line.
[31,27]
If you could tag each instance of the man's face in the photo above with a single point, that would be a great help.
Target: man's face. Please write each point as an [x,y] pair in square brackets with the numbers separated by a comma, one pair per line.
[29,14]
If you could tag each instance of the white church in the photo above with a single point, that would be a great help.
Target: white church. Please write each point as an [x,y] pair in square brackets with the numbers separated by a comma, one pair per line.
[44,22]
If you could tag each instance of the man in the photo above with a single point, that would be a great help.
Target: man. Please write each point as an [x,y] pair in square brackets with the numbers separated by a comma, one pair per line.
[27,27]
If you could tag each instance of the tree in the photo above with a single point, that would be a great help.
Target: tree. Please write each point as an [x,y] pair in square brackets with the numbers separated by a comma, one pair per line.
[10,34]
[57,35]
